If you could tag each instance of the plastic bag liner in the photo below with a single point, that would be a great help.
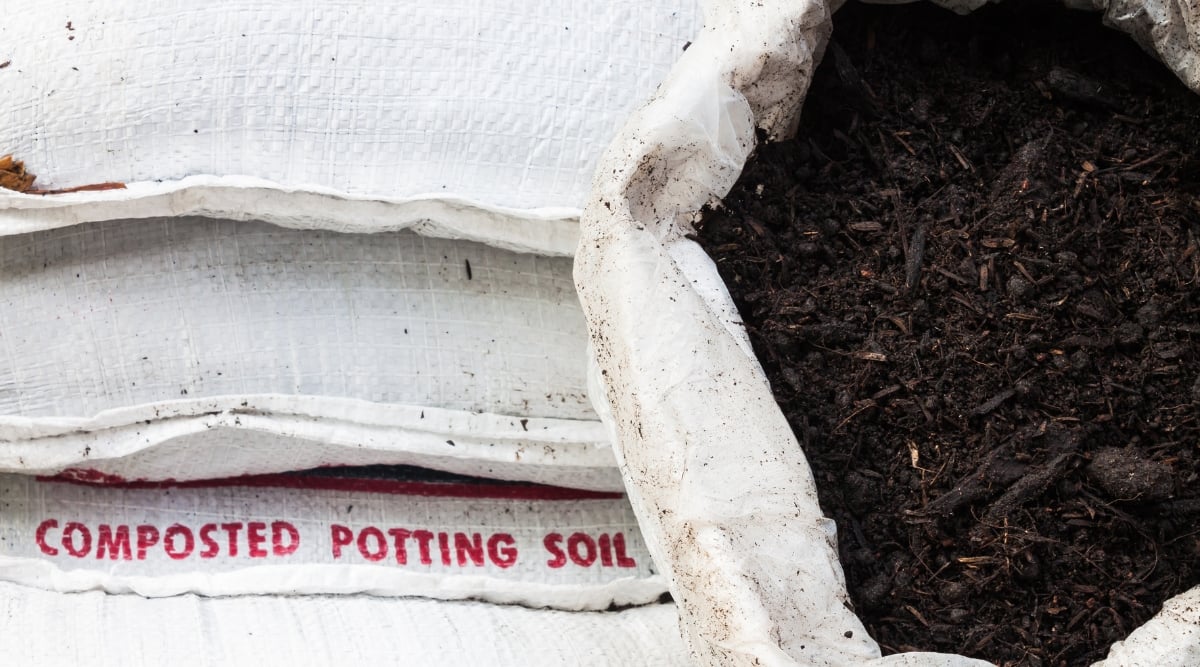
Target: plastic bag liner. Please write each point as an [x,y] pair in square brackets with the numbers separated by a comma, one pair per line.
[723,494]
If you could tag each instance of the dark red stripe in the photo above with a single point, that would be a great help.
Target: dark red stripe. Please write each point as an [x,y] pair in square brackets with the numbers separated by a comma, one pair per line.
[388,486]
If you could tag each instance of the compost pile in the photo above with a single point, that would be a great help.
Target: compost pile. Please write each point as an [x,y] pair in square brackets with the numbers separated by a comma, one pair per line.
[973,282]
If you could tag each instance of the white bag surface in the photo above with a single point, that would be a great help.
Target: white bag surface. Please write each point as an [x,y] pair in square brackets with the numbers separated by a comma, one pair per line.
[463,120]
[182,349]
[171,348]
[505,106]
[723,494]
[522,544]
[104,316]
[50,629]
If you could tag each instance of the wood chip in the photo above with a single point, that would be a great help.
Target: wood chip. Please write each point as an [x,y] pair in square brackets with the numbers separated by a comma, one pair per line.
[917,615]
[962,160]
[952,276]
[1025,272]
[993,402]
[971,561]
[914,259]
[897,136]
[885,392]
[756,226]
[866,226]
[1150,160]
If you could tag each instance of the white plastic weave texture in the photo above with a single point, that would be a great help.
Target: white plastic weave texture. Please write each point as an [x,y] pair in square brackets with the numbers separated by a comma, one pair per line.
[122,630]
[114,314]
[495,103]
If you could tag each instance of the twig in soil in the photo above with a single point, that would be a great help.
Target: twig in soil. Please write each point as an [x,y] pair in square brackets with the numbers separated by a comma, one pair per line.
[952,276]
[1150,160]
[859,94]
[1080,89]
[984,641]
[961,299]
[916,256]
[962,160]
[1024,317]
[1036,481]
[1025,272]
[993,402]
[1028,487]
[1013,179]
[866,405]
[996,470]
[917,615]
[899,136]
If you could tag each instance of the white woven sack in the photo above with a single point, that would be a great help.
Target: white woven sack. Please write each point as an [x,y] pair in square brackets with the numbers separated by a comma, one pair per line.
[51,629]
[328,534]
[724,496]
[139,343]
[467,119]
[186,348]
[164,331]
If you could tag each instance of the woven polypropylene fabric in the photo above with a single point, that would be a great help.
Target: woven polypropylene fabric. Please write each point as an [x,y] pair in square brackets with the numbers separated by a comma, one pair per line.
[508,106]
[122,630]
[116,314]
[510,544]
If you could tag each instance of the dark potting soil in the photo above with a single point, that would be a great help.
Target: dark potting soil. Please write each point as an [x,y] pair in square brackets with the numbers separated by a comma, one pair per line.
[974,283]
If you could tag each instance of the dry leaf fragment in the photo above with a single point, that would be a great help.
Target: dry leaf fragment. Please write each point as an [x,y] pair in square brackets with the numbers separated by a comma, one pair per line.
[13,175]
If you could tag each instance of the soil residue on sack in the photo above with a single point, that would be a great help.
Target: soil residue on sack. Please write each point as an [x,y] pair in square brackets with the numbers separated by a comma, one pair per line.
[973,282]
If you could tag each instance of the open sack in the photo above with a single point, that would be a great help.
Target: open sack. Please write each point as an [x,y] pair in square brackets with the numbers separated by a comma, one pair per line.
[251,140]
[722,492]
